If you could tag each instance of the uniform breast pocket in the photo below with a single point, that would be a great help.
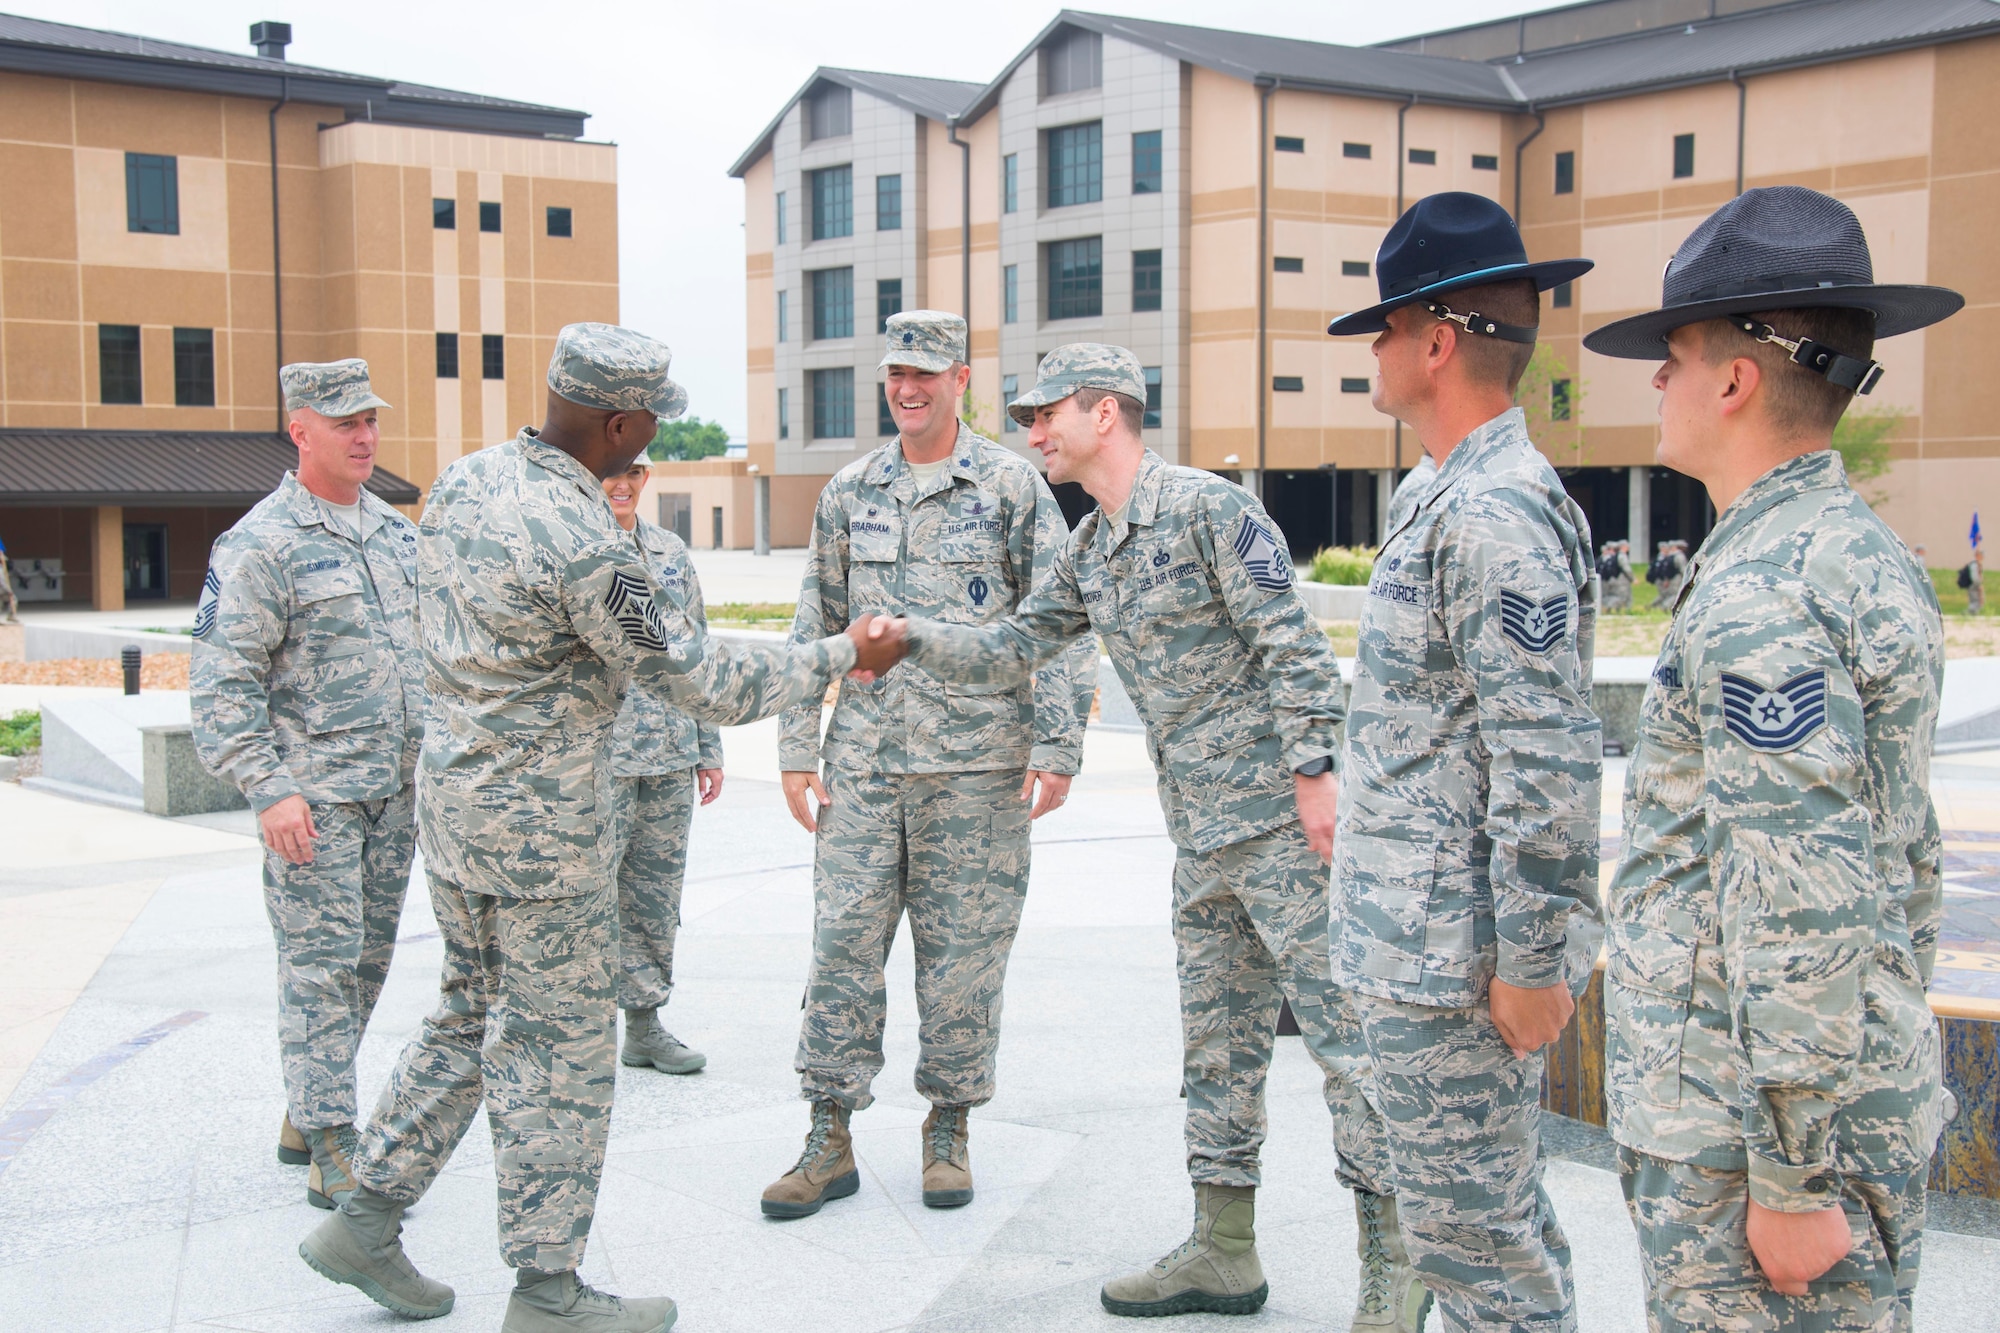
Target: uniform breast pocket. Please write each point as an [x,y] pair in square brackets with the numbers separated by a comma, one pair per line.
[332,617]
[875,534]
[971,574]
[1650,981]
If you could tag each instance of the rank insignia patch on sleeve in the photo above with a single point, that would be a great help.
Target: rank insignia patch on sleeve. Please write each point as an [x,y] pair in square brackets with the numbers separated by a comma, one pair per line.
[204,613]
[632,606]
[1774,720]
[1268,563]
[1536,626]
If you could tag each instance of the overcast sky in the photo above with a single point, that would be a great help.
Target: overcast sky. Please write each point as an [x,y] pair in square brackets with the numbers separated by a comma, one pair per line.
[682,89]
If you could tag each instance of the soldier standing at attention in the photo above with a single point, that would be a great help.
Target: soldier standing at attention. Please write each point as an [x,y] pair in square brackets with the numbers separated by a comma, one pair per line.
[1772,1066]
[1465,872]
[925,804]
[308,696]
[1189,584]
[537,612]
[664,761]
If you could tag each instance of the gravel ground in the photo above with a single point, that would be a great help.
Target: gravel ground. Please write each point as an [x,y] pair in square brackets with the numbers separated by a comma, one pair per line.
[157,671]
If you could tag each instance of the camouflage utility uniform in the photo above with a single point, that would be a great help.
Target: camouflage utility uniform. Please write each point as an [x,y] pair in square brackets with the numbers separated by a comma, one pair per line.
[1775,916]
[1410,492]
[1467,849]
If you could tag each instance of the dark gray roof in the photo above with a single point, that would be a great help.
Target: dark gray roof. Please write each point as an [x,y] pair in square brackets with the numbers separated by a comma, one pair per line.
[933,99]
[168,468]
[38,46]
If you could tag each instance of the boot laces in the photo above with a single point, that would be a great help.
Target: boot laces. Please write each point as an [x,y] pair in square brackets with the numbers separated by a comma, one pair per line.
[590,1298]
[1187,1249]
[822,1125]
[1377,1268]
[944,1129]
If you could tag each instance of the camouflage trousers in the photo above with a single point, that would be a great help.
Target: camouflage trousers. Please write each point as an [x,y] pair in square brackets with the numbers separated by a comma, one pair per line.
[951,849]
[1464,1121]
[652,821]
[1250,929]
[1617,595]
[524,1023]
[1700,1274]
[335,926]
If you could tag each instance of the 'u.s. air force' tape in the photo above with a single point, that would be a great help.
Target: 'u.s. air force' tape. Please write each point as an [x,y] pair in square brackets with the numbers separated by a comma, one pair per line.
[631,604]
[1774,719]
[1264,558]
[204,613]
[1536,626]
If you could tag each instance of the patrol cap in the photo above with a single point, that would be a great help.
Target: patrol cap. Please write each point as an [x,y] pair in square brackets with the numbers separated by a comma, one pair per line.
[929,340]
[330,388]
[615,369]
[1076,366]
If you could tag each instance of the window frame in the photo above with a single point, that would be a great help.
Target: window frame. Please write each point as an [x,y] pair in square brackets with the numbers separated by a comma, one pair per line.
[1156,289]
[1149,162]
[492,356]
[820,281]
[1288,263]
[1074,173]
[1355,384]
[784,413]
[784,329]
[444,214]
[132,377]
[883,293]
[1010,389]
[566,216]
[447,359]
[894,193]
[1562,296]
[1149,415]
[1684,156]
[819,124]
[1288,384]
[1565,171]
[1354,268]
[830,208]
[1360,152]
[1062,293]
[1486,161]
[489,211]
[778,222]
[1010,183]
[818,377]
[194,350]
[164,171]
[1288,143]
[1059,62]
[1010,294]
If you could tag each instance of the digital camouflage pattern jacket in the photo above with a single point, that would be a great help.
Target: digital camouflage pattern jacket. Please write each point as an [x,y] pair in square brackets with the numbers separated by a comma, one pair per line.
[652,736]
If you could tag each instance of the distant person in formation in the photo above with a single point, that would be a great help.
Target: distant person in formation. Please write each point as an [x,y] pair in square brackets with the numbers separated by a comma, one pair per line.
[7,587]
[1614,575]
[1187,581]
[1975,582]
[664,762]
[1667,572]
[1773,1069]
[1466,861]
[307,694]
[928,788]
[537,613]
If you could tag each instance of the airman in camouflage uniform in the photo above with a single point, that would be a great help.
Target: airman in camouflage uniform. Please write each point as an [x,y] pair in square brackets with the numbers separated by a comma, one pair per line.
[1773,1068]
[1189,584]
[307,695]
[537,612]
[1411,491]
[928,779]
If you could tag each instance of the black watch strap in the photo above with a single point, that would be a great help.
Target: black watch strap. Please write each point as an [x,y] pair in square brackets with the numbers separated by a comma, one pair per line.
[1313,768]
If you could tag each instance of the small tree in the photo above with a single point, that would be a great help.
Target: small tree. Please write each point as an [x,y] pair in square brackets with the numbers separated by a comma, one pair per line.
[1861,438]
[1550,396]
[688,437]
[979,414]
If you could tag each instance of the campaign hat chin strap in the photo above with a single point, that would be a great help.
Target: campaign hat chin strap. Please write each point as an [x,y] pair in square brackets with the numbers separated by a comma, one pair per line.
[1837,368]
[1485,325]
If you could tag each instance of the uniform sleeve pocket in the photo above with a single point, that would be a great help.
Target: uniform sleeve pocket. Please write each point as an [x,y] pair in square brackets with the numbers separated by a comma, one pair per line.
[1387,878]
[1655,956]
[1218,772]
[1650,983]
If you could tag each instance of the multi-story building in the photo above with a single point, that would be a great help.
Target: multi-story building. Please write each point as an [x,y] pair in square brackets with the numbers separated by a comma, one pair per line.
[1211,199]
[180,221]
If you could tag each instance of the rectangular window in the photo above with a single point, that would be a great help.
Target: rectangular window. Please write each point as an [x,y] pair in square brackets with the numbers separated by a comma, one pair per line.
[885,420]
[784,318]
[444,214]
[1565,173]
[1683,156]
[152,194]
[489,216]
[559,222]
[832,403]
[831,190]
[1147,169]
[1559,400]
[1010,389]
[888,301]
[1151,419]
[1350,384]
[780,219]
[1076,164]
[194,367]
[1562,296]
[1353,268]
[1286,143]
[1010,294]
[1075,278]
[1357,150]
[118,379]
[1072,62]
[1288,264]
[833,303]
[492,356]
[1485,162]
[888,203]
[1423,157]
[447,356]
[784,414]
[1010,183]
[1288,384]
[829,114]
[1147,280]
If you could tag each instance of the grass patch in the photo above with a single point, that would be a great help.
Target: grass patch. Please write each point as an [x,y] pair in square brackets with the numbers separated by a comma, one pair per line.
[1951,597]
[20,734]
[767,614]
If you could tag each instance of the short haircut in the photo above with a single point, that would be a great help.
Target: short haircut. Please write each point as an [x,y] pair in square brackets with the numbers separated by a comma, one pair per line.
[1494,360]
[1130,409]
[1799,402]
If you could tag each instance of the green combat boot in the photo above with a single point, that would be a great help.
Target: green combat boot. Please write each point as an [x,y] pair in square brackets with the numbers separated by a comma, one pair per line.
[1391,1296]
[331,1179]
[947,1165]
[562,1303]
[1214,1270]
[292,1149]
[826,1169]
[647,1043]
[361,1245]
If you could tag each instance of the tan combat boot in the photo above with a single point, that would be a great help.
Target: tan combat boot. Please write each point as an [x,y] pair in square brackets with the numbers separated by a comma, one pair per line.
[825,1170]
[1214,1270]
[563,1303]
[292,1149]
[947,1167]
[361,1245]
[331,1179]
[1391,1296]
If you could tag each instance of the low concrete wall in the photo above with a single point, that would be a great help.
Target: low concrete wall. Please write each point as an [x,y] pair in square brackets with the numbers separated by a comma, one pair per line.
[46,643]
[13,643]
[1331,601]
[175,782]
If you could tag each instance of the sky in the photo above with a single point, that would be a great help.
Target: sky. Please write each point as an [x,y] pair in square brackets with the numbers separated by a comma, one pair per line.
[683,89]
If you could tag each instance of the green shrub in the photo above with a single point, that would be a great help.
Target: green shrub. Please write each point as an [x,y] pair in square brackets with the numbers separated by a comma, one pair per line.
[1345,566]
[21,733]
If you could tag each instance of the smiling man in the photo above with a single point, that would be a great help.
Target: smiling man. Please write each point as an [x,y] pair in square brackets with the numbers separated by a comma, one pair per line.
[929,788]
[307,694]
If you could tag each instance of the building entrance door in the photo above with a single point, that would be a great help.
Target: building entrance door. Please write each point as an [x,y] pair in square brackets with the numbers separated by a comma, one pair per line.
[145,560]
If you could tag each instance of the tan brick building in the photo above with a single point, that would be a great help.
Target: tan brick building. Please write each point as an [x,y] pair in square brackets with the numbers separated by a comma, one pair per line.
[444,236]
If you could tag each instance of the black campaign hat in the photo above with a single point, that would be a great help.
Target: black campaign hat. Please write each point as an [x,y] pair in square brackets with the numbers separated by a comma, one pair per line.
[1780,248]
[1444,242]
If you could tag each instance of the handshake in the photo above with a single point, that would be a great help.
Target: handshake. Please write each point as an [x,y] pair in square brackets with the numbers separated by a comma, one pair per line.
[879,643]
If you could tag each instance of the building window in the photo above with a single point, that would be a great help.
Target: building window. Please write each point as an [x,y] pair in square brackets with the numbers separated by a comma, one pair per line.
[1287,143]
[1147,173]
[1147,280]
[784,414]
[444,214]
[888,301]
[489,216]
[1010,183]
[885,420]
[559,222]
[447,356]
[1353,268]
[1288,264]
[833,303]
[1423,157]
[784,318]
[194,367]
[1350,384]
[1075,281]
[1683,156]
[780,218]
[1485,162]
[118,379]
[1072,62]
[1076,164]
[832,403]
[1010,294]
[829,115]
[1357,150]
[1565,173]
[1288,384]
[492,356]
[1559,400]
[1150,420]
[1010,389]
[152,194]
[831,190]
[888,203]
[1562,296]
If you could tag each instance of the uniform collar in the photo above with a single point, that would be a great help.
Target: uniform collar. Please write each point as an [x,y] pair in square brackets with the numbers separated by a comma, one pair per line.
[1143,508]
[305,507]
[888,463]
[562,464]
[1820,470]
[653,537]
[1507,431]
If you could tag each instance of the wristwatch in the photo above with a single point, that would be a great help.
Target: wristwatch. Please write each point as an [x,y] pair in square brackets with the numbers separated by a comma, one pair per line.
[1313,768]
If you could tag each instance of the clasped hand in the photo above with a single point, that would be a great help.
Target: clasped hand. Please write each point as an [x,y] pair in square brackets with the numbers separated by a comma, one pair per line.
[879,643]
